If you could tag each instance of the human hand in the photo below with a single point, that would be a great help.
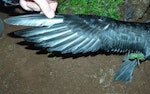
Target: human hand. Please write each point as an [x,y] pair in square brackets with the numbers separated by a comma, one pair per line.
[47,7]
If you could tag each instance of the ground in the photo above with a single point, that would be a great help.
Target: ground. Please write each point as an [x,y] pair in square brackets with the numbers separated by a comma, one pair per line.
[24,71]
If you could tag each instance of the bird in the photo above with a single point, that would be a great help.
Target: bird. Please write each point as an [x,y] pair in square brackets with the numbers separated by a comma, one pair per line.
[1,28]
[80,33]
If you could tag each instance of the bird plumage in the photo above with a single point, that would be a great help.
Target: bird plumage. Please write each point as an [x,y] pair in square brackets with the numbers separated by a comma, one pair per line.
[70,33]
[1,28]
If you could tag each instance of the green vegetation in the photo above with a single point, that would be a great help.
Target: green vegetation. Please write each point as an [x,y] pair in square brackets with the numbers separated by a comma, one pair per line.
[52,55]
[138,56]
[97,7]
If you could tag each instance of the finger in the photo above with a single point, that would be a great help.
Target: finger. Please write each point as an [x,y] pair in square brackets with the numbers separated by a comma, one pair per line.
[33,6]
[45,8]
[53,5]
[23,4]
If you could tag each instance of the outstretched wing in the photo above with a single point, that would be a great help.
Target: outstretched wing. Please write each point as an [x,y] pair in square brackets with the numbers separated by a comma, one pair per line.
[65,33]
[81,33]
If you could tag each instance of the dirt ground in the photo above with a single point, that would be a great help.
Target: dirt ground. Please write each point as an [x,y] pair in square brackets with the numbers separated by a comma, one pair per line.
[24,71]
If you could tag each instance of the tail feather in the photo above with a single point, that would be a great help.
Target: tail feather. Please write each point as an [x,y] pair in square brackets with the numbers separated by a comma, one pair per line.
[126,71]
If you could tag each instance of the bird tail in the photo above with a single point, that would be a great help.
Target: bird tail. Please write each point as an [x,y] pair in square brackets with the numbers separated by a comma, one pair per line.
[126,71]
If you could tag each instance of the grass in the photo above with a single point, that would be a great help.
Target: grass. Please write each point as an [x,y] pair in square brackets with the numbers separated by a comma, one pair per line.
[97,7]
[51,54]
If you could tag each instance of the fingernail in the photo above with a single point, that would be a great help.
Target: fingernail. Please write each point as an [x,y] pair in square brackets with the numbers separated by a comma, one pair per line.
[50,15]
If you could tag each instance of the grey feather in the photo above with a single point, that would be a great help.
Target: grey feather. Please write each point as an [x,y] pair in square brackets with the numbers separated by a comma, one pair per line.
[34,20]
[1,28]
[125,73]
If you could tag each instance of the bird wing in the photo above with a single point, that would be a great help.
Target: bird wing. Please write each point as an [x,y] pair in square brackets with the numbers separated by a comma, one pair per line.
[79,33]
[65,33]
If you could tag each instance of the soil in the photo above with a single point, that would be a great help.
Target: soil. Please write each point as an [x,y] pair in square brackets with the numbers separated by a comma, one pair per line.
[26,71]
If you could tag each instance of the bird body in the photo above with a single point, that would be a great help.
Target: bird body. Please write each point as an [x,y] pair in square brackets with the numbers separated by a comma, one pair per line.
[72,33]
